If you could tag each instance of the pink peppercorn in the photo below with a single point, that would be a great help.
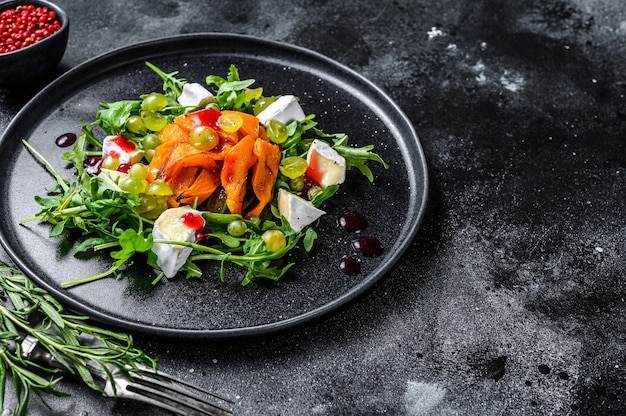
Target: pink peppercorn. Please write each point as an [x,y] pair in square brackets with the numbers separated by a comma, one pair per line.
[26,25]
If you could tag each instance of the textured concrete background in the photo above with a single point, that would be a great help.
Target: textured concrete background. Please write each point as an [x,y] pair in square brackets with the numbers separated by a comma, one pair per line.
[511,298]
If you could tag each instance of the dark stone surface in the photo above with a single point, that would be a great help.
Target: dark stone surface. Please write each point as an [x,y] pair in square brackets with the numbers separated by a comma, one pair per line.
[511,300]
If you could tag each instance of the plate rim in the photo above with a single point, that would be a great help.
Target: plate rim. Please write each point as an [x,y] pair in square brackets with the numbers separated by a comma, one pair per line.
[310,316]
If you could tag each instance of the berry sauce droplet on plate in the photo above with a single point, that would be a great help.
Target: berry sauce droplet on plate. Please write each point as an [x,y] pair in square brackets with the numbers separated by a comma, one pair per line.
[66,140]
[350,265]
[368,246]
[352,221]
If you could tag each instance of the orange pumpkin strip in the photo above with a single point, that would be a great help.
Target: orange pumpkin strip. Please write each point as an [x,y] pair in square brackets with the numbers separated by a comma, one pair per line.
[202,188]
[264,174]
[220,152]
[199,160]
[230,138]
[184,122]
[234,175]
[172,131]
[179,181]
[162,155]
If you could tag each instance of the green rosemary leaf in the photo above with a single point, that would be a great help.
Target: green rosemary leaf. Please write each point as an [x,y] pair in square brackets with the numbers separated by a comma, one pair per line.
[51,312]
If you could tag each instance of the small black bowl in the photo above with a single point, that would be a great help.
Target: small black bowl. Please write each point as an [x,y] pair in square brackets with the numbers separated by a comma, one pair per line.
[36,60]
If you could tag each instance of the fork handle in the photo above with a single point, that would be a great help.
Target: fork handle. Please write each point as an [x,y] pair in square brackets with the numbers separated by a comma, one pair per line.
[32,350]
[37,353]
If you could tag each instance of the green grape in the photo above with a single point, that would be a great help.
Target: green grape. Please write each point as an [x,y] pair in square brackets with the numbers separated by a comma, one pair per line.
[149,154]
[154,102]
[132,185]
[253,94]
[135,124]
[204,138]
[213,106]
[262,104]
[217,201]
[151,141]
[237,228]
[230,122]
[159,189]
[161,205]
[274,240]
[146,203]
[153,121]
[277,132]
[255,220]
[138,170]
[297,184]
[312,192]
[293,166]
[110,162]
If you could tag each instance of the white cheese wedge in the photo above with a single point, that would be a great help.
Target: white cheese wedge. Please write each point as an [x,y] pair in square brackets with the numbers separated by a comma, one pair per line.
[170,226]
[195,95]
[121,148]
[326,166]
[297,211]
[285,109]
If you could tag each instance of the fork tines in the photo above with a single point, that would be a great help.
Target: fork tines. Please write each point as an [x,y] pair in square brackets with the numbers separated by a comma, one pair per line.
[176,395]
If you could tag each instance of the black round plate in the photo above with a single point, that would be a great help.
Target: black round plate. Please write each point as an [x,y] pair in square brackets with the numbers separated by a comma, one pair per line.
[208,308]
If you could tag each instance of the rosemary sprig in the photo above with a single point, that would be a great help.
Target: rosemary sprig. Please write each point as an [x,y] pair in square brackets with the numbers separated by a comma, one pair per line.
[28,310]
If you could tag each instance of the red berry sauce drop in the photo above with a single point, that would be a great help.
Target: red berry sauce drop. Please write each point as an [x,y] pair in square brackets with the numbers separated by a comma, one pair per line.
[201,234]
[350,265]
[93,165]
[66,140]
[124,167]
[368,246]
[123,144]
[352,221]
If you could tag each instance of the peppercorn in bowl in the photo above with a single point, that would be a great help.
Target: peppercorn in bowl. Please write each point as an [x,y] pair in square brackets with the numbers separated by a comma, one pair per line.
[33,38]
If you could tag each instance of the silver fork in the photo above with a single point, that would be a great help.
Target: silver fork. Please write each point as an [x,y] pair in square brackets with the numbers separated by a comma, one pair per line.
[140,383]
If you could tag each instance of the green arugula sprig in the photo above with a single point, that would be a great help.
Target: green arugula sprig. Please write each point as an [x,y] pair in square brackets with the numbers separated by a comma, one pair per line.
[97,208]
[249,252]
[172,86]
[232,92]
[29,310]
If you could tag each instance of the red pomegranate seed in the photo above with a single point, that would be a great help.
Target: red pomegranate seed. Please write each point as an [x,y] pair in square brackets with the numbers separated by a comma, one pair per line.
[193,221]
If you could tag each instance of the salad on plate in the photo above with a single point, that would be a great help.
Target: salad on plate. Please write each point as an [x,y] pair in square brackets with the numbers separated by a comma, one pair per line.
[216,172]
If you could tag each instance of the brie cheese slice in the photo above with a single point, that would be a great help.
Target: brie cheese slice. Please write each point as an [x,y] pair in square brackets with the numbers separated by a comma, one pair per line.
[121,148]
[285,109]
[297,211]
[170,226]
[326,166]
[195,95]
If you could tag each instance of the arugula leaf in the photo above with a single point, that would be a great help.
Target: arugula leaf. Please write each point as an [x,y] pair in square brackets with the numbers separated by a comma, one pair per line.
[113,116]
[131,242]
[231,92]
[310,236]
[322,196]
[76,154]
[172,86]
